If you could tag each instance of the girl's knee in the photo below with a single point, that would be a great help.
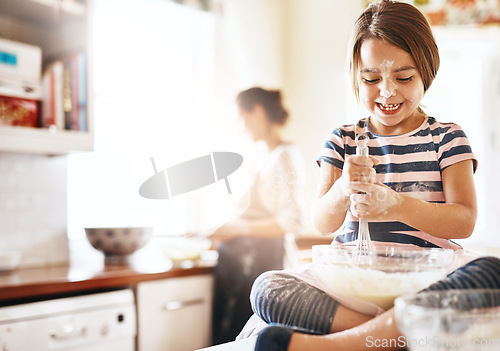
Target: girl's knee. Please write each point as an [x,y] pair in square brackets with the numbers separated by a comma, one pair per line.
[484,270]
[278,297]
[491,262]
[266,286]
[481,273]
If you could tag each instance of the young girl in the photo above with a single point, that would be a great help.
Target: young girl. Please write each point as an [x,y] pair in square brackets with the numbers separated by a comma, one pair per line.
[415,188]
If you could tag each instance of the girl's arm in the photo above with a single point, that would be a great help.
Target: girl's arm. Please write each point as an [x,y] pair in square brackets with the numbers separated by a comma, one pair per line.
[457,217]
[330,206]
[380,333]
[454,219]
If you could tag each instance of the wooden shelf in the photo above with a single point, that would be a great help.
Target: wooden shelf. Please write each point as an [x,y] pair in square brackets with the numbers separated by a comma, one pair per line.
[44,141]
[43,11]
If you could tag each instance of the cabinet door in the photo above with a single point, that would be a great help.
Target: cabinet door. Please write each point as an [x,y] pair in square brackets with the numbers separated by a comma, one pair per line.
[175,314]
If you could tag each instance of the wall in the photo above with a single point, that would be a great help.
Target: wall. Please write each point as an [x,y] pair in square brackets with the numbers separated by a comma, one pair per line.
[476,52]
[316,75]
[249,52]
[297,46]
[250,42]
[33,208]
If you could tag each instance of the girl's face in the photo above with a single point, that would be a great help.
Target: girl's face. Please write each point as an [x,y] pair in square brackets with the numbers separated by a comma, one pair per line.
[390,87]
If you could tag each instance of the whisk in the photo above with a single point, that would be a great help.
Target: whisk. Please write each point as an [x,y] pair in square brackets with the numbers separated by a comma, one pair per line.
[364,244]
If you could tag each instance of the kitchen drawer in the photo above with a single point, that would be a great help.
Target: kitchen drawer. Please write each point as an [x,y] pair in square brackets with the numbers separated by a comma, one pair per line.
[175,314]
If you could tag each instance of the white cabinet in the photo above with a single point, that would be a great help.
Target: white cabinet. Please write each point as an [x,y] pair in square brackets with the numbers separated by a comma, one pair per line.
[174,314]
[58,27]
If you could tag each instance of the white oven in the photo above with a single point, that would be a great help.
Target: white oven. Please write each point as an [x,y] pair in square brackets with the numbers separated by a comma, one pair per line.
[98,322]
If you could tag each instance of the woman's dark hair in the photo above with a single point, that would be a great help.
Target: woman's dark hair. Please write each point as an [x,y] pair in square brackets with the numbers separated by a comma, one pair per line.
[402,25]
[270,100]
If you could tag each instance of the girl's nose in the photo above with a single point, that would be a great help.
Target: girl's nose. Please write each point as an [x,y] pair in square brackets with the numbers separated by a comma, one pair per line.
[388,90]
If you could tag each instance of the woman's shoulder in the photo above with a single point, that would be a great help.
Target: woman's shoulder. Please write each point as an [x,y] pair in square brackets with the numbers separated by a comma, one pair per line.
[288,154]
[287,151]
[287,147]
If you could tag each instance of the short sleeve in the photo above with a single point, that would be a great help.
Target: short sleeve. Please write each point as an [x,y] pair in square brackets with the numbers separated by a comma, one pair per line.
[454,147]
[333,150]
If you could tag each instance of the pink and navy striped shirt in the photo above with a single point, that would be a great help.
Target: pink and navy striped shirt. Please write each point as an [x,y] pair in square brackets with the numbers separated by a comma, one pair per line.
[410,163]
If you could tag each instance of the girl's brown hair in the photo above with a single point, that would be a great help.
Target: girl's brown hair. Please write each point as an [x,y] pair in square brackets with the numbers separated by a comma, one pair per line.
[402,25]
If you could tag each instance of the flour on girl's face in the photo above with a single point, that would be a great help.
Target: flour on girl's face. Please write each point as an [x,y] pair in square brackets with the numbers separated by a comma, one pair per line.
[386,65]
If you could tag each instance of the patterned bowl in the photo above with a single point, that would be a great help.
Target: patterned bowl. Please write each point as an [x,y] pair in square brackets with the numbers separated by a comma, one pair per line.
[118,241]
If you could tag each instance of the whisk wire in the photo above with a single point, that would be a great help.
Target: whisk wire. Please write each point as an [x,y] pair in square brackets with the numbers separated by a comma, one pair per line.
[364,244]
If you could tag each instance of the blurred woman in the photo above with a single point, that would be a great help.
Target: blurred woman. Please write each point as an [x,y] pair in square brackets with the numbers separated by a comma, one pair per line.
[253,242]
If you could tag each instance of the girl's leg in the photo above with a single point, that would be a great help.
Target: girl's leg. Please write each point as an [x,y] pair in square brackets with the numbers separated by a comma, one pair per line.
[381,332]
[280,298]
[345,319]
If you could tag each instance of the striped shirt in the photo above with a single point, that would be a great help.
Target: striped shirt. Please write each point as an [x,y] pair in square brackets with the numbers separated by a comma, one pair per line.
[410,163]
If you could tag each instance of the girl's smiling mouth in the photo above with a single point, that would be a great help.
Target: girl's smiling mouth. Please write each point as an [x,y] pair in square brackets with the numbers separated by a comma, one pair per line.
[388,108]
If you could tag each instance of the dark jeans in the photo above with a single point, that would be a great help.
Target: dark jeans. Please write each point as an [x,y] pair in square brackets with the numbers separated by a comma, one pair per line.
[241,261]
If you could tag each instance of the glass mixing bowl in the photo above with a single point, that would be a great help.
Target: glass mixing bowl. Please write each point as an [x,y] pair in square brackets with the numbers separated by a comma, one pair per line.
[462,320]
[388,272]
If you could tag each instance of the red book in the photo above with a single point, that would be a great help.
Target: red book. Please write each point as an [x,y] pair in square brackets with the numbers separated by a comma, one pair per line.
[52,111]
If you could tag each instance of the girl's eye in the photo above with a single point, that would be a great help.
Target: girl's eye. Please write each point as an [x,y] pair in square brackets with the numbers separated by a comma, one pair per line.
[370,81]
[404,80]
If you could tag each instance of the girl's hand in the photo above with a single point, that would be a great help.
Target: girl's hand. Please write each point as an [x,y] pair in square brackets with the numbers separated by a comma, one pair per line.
[359,169]
[356,169]
[374,201]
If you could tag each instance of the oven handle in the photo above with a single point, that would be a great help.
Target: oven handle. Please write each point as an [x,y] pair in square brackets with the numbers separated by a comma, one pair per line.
[177,305]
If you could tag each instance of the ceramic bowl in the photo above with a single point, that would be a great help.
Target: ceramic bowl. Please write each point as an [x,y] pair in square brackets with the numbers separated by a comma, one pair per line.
[450,320]
[182,249]
[118,241]
[388,272]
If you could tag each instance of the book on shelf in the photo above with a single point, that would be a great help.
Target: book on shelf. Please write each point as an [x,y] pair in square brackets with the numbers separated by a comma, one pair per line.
[67,94]
[52,96]
[64,105]
[82,91]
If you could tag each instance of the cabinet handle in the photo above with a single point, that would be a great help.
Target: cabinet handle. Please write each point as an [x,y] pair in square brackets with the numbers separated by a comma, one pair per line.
[177,305]
[67,331]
